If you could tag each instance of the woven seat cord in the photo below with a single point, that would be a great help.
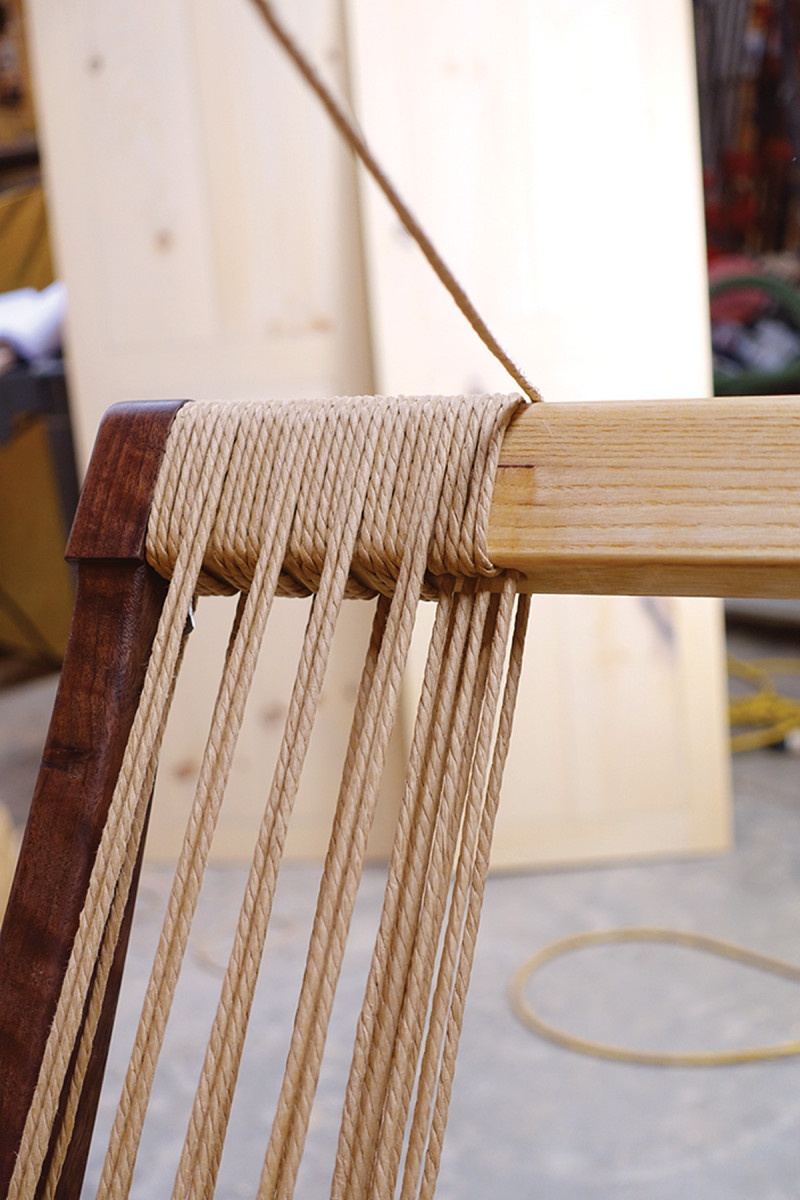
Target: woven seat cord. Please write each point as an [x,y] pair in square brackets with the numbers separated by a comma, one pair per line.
[336,498]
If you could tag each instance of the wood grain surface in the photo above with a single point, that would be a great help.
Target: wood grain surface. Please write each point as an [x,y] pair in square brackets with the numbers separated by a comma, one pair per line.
[683,497]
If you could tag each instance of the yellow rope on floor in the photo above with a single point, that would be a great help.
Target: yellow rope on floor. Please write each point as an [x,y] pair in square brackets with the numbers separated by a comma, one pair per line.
[694,941]
[765,716]
[335,498]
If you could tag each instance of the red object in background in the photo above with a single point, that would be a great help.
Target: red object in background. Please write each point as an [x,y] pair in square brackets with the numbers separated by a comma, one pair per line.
[777,152]
[749,78]
[740,305]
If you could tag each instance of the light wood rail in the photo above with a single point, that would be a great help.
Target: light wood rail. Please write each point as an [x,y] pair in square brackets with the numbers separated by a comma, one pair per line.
[685,497]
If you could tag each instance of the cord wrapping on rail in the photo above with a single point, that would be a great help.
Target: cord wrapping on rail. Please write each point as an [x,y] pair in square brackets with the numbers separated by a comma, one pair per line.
[337,498]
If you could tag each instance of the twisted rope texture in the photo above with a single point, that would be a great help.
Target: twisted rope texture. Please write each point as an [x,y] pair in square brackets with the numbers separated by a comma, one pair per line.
[336,499]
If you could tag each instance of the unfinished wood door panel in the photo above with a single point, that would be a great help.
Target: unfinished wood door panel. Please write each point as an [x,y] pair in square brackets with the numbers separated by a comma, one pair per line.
[204,216]
[551,151]
[612,752]
[206,225]
[222,257]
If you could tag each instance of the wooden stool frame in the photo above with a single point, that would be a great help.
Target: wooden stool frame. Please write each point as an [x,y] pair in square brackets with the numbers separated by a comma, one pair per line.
[674,498]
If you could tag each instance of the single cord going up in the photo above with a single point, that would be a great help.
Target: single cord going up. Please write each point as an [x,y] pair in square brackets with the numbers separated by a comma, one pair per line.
[358,144]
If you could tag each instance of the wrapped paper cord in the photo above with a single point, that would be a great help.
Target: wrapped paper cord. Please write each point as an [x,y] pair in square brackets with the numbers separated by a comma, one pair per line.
[337,498]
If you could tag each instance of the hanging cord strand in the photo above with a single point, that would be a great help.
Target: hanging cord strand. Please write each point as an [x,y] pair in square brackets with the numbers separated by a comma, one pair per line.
[357,143]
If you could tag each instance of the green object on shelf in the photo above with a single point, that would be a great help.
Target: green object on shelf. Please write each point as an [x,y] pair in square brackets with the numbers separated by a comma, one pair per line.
[761,383]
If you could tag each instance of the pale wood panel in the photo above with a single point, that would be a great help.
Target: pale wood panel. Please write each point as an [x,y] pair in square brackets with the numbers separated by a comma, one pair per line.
[611,751]
[282,190]
[245,317]
[204,218]
[551,150]
[206,224]
[124,170]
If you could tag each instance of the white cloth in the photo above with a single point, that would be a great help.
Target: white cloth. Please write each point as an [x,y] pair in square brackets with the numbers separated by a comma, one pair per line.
[31,321]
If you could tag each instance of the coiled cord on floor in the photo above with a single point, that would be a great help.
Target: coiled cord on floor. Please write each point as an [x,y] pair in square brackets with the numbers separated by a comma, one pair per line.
[694,941]
[764,715]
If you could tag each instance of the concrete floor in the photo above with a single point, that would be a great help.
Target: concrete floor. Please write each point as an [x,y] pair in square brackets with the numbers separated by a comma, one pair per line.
[528,1119]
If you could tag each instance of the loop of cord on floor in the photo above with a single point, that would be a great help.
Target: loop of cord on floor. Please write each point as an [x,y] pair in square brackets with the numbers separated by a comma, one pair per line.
[694,941]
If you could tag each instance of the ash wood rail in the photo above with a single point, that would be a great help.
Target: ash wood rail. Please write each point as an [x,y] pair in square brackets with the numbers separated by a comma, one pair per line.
[689,497]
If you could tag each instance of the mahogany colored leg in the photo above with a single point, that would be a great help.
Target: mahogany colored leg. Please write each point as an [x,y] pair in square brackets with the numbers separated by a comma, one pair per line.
[71,1177]
[117,609]
[118,602]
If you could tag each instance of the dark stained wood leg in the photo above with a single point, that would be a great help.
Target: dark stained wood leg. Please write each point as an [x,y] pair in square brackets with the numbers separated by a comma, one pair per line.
[74,1166]
[118,603]
[118,606]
